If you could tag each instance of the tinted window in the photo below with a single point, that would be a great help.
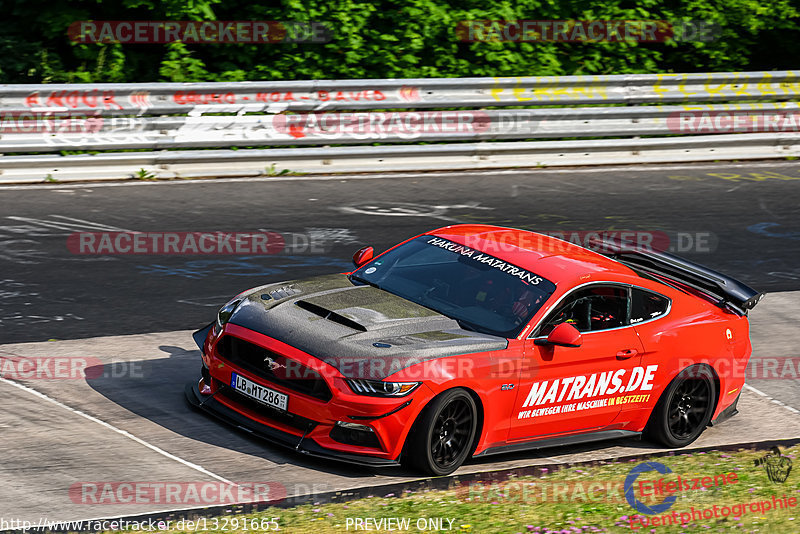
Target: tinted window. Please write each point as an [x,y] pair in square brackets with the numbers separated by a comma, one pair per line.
[482,292]
[646,305]
[590,309]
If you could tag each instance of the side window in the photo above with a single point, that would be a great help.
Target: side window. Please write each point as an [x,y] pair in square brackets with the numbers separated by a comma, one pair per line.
[591,309]
[646,305]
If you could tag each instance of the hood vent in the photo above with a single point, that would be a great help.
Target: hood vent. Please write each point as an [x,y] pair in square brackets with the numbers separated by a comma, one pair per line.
[283,292]
[330,315]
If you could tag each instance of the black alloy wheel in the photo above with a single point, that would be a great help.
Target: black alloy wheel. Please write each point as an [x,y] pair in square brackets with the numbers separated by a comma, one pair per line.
[688,407]
[444,434]
[685,408]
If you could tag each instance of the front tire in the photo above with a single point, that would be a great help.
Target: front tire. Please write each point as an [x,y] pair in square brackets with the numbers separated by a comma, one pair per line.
[442,437]
[684,409]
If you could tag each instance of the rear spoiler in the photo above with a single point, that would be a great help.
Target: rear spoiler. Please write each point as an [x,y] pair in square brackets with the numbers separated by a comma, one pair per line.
[729,292]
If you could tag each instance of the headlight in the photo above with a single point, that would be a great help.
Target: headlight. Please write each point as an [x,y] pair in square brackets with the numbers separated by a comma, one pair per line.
[224,313]
[378,388]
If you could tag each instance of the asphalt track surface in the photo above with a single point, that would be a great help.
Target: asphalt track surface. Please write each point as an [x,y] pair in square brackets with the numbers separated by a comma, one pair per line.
[129,423]
[747,227]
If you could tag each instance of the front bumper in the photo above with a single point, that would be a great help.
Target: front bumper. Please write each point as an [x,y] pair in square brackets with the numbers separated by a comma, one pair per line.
[303,444]
[311,424]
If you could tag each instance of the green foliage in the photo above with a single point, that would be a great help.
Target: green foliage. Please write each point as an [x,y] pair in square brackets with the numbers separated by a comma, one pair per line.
[144,174]
[180,66]
[384,39]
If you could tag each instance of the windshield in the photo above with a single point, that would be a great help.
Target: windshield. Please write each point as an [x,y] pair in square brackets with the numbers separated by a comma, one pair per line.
[480,291]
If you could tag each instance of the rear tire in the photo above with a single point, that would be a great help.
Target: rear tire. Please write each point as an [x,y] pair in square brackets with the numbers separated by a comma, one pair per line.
[443,435]
[684,409]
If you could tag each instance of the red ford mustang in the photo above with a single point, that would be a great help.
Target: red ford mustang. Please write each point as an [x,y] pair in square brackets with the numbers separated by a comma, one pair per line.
[473,340]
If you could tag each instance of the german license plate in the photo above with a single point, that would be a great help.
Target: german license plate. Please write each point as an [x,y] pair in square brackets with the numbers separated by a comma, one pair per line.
[262,394]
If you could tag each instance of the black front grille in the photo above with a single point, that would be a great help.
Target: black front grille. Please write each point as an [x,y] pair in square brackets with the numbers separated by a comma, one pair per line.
[274,367]
[279,416]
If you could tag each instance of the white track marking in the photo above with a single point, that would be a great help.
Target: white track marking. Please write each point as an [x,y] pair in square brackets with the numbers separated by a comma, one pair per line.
[66,186]
[66,225]
[91,225]
[774,401]
[118,431]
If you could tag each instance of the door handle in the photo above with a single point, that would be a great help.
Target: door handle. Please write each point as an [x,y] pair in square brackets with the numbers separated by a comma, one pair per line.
[627,353]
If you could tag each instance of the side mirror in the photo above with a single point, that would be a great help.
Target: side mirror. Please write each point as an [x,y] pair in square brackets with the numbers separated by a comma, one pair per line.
[362,256]
[563,335]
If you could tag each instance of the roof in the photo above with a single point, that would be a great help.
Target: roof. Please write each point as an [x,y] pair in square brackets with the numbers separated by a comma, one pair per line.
[549,257]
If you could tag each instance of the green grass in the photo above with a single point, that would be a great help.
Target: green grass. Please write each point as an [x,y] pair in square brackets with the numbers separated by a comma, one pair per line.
[491,510]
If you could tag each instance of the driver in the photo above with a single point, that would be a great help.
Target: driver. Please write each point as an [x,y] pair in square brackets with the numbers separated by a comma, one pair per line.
[510,300]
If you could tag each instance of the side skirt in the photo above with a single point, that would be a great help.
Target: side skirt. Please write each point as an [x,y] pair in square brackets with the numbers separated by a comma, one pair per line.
[560,441]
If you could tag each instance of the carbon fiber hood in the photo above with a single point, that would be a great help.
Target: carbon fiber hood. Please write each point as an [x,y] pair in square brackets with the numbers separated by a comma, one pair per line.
[363,331]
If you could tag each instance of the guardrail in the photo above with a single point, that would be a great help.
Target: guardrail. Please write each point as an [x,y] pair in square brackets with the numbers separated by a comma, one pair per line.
[683,117]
